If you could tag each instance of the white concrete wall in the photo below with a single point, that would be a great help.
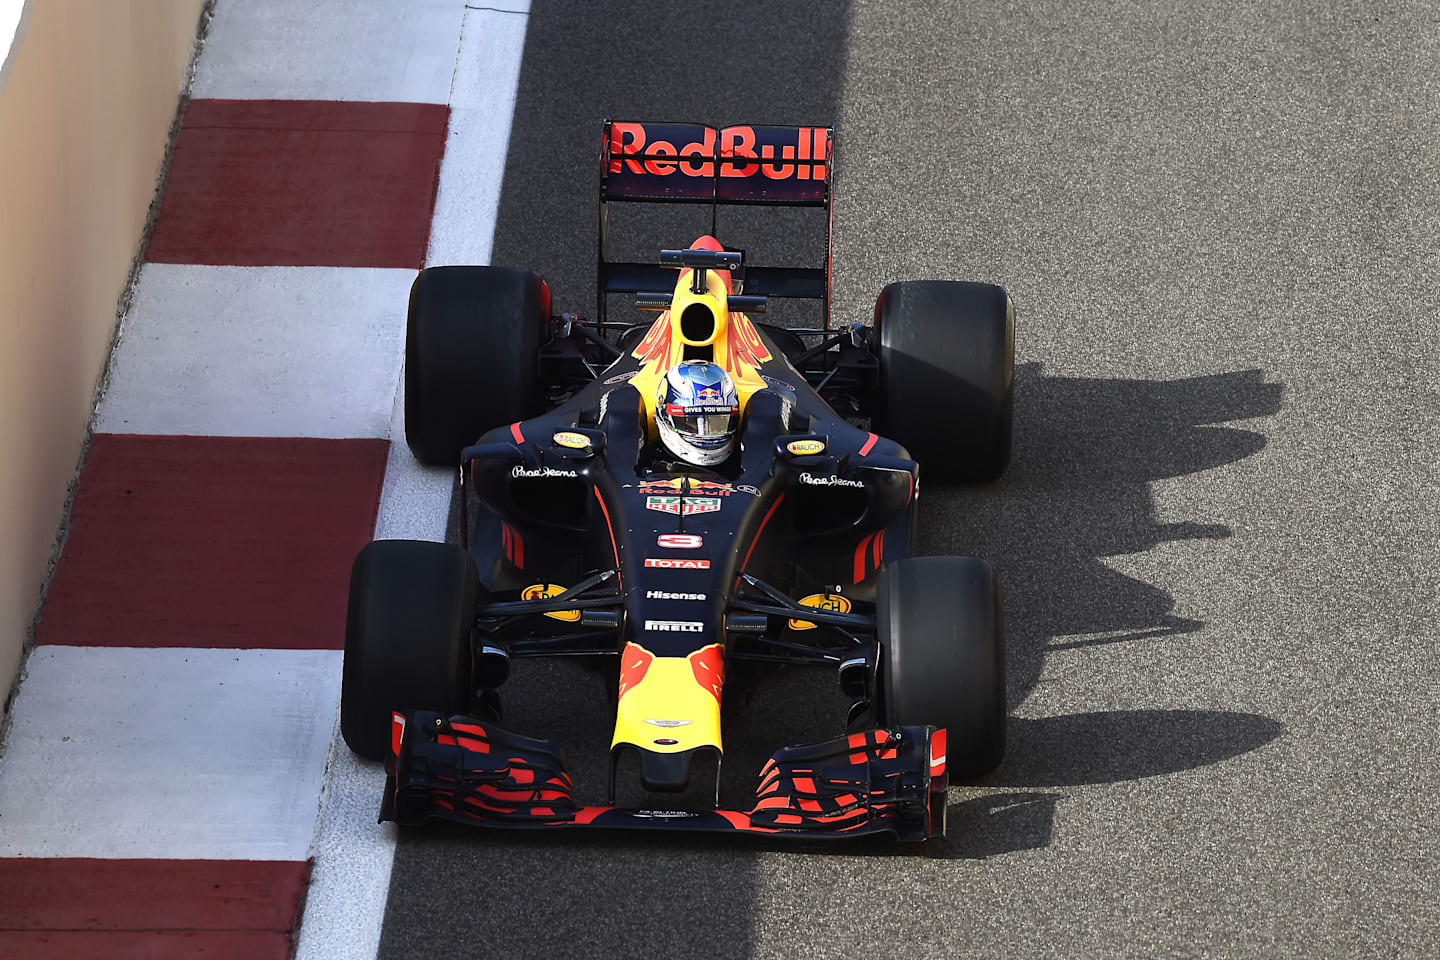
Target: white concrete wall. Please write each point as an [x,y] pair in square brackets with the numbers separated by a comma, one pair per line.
[88,96]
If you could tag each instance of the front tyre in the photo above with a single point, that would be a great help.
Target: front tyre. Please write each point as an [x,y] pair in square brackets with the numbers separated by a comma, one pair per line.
[407,638]
[947,375]
[472,354]
[942,635]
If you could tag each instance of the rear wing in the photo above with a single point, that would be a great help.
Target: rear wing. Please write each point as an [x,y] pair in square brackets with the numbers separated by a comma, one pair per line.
[739,165]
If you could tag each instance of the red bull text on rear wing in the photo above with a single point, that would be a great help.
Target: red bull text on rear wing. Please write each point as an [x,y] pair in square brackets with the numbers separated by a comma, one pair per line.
[694,163]
[742,164]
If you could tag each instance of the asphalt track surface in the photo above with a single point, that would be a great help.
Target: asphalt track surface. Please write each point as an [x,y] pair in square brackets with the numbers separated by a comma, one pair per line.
[1219,536]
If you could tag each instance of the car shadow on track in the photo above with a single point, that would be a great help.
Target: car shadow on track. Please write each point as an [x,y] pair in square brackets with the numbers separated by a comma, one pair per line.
[1089,748]
[1078,489]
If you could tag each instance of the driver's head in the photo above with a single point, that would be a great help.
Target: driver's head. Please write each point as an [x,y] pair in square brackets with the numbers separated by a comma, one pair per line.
[698,412]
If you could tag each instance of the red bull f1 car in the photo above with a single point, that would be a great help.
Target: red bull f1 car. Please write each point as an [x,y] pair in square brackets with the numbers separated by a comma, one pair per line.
[580,536]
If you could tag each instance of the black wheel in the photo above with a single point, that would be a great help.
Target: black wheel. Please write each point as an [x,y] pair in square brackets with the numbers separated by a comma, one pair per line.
[942,633]
[407,637]
[472,347]
[947,375]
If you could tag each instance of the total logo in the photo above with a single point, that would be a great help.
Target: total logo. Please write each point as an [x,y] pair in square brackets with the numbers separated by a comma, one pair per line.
[680,541]
[541,472]
[666,563]
[668,595]
[675,626]
[815,481]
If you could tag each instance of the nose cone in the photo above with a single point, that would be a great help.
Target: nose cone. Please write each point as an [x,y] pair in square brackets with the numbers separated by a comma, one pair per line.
[669,707]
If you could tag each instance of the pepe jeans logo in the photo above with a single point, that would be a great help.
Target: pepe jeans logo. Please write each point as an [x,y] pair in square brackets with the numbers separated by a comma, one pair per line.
[814,481]
[541,472]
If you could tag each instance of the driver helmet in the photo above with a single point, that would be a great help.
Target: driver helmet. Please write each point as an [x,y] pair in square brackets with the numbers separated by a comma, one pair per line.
[698,412]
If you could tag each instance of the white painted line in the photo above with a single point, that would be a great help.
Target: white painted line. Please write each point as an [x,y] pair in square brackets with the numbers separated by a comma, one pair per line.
[482,105]
[353,856]
[259,352]
[395,50]
[503,6]
[415,501]
[167,753]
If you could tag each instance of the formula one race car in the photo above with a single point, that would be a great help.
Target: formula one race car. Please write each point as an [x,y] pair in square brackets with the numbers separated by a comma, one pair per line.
[582,534]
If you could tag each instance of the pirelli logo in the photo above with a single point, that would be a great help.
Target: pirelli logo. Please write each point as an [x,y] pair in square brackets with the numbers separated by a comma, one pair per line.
[675,626]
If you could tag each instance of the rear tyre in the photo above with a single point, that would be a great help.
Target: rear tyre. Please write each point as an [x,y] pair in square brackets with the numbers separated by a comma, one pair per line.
[472,346]
[407,638]
[942,634]
[947,375]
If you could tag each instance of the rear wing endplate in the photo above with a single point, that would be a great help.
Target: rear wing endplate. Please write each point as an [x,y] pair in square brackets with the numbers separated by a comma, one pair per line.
[738,165]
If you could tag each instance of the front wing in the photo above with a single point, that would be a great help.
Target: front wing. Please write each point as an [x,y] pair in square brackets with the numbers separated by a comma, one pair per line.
[471,771]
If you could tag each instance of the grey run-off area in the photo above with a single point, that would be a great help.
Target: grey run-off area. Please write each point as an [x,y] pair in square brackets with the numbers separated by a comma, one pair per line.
[1219,535]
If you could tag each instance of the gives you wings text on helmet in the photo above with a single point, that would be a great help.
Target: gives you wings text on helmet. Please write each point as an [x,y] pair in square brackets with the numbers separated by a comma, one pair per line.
[698,412]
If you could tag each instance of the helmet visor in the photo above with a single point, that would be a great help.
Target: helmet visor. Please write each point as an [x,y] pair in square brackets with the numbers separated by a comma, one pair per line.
[708,426]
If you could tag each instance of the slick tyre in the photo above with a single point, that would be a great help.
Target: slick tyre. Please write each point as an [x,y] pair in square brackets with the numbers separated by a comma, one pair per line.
[407,638]
[947,375]
[942,636]
[472,347]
